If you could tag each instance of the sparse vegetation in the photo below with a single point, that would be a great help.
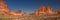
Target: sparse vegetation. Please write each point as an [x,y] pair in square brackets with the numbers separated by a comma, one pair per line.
[31,17]
[2,17]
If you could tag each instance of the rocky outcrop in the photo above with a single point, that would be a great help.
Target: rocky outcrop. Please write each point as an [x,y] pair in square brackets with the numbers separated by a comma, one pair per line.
[3,7]
[43,11]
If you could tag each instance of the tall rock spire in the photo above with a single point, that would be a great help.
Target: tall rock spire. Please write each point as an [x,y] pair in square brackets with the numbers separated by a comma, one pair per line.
[41,11]
[43,8]
[3,6]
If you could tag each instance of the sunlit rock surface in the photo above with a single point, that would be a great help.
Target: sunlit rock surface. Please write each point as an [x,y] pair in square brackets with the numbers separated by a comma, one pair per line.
[3,7]
[43,10]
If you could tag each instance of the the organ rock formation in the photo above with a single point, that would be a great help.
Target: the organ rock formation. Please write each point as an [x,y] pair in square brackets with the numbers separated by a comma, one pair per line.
[44,11]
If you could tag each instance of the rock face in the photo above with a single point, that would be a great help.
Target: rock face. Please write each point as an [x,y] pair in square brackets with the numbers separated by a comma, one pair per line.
[10,13]
[19,13]
[3,6]
[5,10]
[43,10]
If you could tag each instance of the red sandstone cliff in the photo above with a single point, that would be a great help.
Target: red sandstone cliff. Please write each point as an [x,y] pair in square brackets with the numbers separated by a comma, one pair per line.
[43,10]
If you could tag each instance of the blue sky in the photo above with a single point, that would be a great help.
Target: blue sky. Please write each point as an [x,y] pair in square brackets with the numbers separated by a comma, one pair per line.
[31,5]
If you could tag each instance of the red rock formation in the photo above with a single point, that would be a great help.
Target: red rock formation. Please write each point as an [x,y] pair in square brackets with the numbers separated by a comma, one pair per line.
[3,6]
[36,13]
[50,11]
[19,13]
[14,14]
[42,11]
[42,8]
[5,10]
[25,14]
